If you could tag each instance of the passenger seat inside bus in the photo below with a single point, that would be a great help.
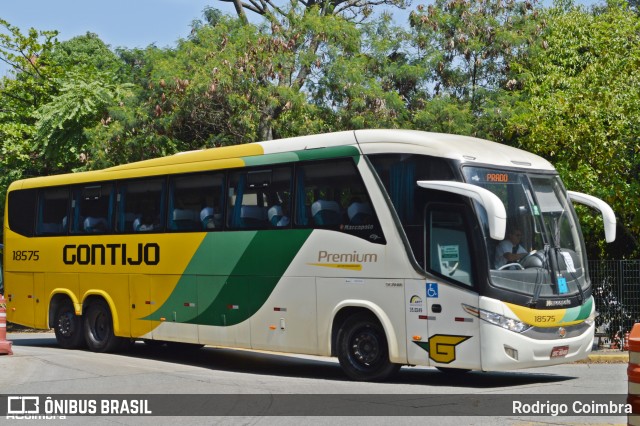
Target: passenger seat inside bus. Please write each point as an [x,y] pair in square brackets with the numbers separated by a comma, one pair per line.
[359,213]
[326,213]
[95,224]
[276,216]
[207,218]
[184,220]
[129,219]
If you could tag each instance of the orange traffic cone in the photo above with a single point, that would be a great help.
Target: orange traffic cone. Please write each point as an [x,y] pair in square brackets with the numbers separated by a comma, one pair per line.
[5,345]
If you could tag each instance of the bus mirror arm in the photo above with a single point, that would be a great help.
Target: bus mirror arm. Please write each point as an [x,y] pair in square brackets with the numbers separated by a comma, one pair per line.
[608,216]
[496,213]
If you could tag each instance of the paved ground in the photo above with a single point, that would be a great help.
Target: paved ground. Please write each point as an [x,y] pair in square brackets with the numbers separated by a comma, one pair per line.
[598,355]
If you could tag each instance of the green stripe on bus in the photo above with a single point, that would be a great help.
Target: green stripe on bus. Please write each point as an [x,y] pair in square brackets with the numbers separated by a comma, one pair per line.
[262,160]
[579,312]
[305,155]
[331,152]
[247,267]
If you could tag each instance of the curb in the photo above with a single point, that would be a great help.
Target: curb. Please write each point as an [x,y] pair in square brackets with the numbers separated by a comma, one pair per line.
[607,358]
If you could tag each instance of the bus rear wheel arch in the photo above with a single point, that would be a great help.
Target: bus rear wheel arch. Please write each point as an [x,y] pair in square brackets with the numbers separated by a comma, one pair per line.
[98,327]
[363,350]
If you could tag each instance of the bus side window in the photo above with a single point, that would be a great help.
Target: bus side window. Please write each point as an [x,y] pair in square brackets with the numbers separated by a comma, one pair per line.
[19,202]
[323,193]
[196,202]
[53,204]
[448,245]
[140,205]
[92,209]
[331,195]
[259,198]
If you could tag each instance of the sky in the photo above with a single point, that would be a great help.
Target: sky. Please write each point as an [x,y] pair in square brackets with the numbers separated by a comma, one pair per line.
[119,23]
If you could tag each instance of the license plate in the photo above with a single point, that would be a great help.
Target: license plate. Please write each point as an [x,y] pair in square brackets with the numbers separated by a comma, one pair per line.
[559,351]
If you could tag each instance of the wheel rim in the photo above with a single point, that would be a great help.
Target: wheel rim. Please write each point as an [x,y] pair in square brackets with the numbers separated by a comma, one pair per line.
[66,324]
[365,347]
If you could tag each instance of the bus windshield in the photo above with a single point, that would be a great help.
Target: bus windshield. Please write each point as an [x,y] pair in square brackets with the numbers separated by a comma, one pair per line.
[542,254]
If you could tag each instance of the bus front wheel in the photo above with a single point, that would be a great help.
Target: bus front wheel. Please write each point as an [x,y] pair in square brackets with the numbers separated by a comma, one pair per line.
[98,327]
[363,351]
[68,326]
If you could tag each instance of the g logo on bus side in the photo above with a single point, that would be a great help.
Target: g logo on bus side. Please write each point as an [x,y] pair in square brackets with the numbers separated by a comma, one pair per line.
[442,347]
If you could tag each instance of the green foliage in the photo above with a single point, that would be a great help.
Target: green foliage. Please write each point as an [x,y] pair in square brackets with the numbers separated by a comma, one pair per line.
[61,122]
[232,82]
[371,84]
[53,92]
[471,44]
[28,86]
[580,108]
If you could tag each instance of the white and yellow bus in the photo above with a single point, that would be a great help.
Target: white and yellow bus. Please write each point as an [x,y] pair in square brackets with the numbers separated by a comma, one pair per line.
[380,247]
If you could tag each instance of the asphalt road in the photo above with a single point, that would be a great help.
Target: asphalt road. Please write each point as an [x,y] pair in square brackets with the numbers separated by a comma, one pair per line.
[313,389]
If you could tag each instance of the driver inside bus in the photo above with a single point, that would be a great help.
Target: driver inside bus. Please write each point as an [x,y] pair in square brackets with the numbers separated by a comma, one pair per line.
[510,250]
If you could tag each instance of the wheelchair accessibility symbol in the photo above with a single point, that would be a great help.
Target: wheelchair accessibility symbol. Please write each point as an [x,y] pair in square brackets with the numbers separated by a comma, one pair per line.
[432,290]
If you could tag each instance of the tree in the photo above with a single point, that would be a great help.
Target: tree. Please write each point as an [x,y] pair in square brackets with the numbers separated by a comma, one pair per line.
[579,106]
[91,81]
[81,103]
[310,30]
[53,92]
[27,86]
[357,11]
[373,84]
[470,46]
[136,127]
[232,82]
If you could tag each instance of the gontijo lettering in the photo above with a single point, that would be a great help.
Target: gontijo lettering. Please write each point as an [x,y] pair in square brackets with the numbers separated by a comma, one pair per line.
[111,254]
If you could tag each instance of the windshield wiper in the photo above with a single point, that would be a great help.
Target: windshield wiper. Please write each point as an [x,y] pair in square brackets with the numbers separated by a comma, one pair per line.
[539,278]
[557,249]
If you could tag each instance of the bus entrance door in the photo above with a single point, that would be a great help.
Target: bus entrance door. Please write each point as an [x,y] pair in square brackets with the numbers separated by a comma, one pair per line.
[453,328]
[440,332]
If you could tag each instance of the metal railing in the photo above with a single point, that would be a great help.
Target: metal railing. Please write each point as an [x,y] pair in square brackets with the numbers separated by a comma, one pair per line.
[616,290]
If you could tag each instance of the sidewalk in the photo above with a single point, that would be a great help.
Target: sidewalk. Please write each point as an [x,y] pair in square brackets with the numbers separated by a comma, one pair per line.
[607,356]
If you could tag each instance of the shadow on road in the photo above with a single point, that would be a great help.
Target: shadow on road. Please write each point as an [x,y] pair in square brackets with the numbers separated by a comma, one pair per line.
[293,366]
[275,364]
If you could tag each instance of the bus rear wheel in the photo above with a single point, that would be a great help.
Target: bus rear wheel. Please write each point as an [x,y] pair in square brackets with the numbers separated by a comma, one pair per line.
[363,351]
[98,327]
[68,326]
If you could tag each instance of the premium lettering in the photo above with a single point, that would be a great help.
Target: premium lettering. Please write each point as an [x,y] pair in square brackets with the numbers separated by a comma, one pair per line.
[111,254]
[355,257]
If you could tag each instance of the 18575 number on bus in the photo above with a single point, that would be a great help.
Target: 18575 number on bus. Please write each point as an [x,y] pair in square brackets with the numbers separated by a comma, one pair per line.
[26,255]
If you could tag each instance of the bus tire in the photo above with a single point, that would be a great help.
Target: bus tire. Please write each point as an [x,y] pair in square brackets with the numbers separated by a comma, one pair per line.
[363,350]
[98,328]
[68,326]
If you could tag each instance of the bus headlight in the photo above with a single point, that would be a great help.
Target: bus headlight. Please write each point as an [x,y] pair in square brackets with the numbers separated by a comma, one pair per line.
[504,322]
[497,319]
